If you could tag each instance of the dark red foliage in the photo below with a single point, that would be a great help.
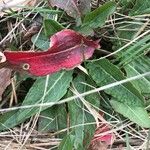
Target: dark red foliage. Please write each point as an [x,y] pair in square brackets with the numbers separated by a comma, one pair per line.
[68,49]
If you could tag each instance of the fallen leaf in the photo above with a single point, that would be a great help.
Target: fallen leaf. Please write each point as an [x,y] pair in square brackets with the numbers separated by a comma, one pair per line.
[102,138]
[5,75]
[68,49]
[108,138]
[74,8]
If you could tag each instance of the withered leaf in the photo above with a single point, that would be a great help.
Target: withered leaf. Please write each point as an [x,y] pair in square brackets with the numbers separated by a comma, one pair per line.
[5,75]
[74,8]
[68,49]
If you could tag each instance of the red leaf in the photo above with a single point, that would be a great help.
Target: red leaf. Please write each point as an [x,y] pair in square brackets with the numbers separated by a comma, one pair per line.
[68,49]
[108,138]
[103,137]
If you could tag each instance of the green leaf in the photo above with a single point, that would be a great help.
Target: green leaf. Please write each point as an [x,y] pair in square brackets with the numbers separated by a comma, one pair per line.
[141,7]
[77,113]
[125,5]
[139,66]
[85,30]
[5,117]
[40,41]
[135,114]
[126,31]
[51,27]
[79,116]
[103,72]
[127,26]
[98,17]
[45,89]
[135,51]
[53,119]
[126,95]
[67,143]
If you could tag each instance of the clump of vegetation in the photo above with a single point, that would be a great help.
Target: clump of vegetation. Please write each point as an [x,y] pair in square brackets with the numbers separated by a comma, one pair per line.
[76,76]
